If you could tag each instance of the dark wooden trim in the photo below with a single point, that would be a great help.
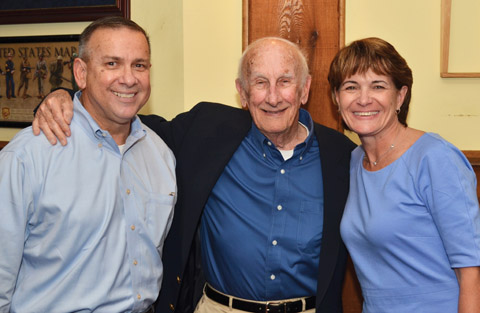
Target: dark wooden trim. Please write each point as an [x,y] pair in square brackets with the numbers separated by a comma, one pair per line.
[66,14]
[473,156]
[3,144]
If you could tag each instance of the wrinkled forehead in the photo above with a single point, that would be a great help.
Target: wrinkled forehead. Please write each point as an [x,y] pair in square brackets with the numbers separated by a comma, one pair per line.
[272,57]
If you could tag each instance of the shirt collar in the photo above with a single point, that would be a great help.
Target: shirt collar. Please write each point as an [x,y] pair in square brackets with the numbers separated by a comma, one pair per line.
[304,118]
[82,117]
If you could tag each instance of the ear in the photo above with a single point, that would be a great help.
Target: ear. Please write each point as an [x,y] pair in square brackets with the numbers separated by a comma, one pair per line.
[242,93]
[80,72]
[306,90]
[401,96]
[337,99]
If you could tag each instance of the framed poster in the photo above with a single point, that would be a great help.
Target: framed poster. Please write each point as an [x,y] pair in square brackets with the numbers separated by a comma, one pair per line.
[48,11]
[30,67]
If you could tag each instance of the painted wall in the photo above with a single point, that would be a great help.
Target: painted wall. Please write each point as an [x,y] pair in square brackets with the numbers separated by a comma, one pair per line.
[448,106]
[196,46]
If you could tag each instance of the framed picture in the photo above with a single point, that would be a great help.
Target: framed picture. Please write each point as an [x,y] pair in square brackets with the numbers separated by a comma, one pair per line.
[30,67]
[47,11]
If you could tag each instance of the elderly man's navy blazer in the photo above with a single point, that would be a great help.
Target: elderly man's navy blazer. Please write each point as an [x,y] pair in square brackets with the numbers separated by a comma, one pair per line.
[203,141]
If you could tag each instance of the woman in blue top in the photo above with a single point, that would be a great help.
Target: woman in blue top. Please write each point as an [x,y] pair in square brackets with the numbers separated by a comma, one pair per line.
[412,221]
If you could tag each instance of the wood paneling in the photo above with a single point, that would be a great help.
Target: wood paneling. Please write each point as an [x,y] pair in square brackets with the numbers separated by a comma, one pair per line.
[3,144]
[474,158]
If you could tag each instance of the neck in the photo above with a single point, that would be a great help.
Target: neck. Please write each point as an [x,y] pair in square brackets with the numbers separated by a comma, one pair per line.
[378,149]
[290,139]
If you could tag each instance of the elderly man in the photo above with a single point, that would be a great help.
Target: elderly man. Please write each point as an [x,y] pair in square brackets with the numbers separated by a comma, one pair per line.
[261,194]
[83,226]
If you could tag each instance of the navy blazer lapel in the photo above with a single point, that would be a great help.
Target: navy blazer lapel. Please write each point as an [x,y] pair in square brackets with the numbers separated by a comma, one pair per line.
[335,173]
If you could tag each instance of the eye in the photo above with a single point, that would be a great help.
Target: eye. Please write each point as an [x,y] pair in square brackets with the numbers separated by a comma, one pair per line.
[378,87]
[260,83]
[350,87]
[140,66]
[111,63]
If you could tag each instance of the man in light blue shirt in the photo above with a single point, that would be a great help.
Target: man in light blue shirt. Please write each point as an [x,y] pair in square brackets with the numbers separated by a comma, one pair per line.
[83,226]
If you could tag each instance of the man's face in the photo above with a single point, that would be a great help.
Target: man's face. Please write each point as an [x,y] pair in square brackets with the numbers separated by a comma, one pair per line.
[115,79]
[273,93]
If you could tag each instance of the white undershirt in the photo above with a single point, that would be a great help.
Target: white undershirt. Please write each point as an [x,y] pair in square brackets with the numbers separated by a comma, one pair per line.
[121,148]
[287,154]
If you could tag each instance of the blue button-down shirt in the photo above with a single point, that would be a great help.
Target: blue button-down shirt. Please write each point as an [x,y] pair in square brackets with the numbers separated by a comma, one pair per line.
[82,226]
[262,226]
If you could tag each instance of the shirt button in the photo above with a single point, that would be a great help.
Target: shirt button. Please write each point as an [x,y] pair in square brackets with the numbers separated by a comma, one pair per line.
[128,191]
[269,143]
[132,227]
[282,171]
[139,296]
[172,307]
[272,277]
[179,280]
[104,135]
[274,242]
[264,155]
[279,207]
[301,158]
[135,262]
[100,145]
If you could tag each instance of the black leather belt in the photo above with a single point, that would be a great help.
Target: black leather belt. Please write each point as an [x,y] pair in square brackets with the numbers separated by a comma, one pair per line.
[270,307]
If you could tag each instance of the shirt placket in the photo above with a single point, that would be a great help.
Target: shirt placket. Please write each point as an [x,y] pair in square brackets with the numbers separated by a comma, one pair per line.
[275,245]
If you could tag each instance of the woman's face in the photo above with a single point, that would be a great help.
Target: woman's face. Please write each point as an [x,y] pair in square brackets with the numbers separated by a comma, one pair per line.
[367,103]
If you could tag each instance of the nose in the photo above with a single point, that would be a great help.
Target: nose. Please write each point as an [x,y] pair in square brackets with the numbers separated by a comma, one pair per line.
[364,97]
[128,77]
[273,96]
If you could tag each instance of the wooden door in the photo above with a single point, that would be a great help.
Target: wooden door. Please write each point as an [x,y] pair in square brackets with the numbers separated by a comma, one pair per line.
[317,27]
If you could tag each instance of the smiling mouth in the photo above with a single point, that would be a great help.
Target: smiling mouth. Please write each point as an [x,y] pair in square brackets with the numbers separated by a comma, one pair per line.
[274,112]
[366,113]
[124,95]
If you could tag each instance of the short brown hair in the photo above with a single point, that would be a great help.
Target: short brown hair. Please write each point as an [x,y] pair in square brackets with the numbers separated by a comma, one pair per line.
[111,22]
[379,56]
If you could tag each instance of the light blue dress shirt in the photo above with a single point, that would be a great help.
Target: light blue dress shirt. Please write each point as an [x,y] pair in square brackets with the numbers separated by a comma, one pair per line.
[408,224]
[261,229]
[82,227]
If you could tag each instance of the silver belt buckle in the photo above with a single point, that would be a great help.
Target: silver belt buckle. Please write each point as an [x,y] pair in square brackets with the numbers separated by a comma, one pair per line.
[276,304]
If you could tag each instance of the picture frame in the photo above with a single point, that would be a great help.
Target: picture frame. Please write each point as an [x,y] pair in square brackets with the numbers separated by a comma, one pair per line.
[40,64]
[45,11]
[446,11]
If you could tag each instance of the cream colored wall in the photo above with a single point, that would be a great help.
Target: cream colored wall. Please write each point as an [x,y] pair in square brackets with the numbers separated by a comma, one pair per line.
[448,106]
[213,46]
[196,45]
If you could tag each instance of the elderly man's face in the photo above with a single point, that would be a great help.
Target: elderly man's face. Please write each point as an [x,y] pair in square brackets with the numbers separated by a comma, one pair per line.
[274,92]
[115,78]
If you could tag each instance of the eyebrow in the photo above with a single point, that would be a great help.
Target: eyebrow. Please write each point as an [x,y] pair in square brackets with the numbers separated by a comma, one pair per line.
[115,58]
[349,82]
[356,83]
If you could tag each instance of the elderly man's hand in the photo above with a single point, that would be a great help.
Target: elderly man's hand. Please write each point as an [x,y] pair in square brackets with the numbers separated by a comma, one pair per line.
[53,117]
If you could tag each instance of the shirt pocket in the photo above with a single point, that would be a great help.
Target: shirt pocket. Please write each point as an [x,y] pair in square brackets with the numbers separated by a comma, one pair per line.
[310,227]
[158,218]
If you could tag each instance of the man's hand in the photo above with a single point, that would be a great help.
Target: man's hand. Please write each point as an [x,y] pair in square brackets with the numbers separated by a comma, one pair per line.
[53,117]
